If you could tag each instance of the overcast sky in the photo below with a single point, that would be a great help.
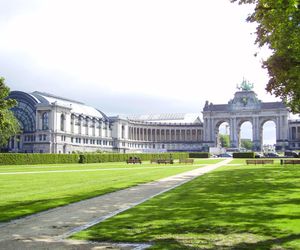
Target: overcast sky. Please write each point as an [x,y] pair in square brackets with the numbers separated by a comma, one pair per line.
[131,56]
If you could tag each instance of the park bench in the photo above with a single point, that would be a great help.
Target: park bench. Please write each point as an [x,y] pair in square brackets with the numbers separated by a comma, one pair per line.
[134,160]
[259,161]
[186,161]
[289,161]
[161,161]
[165,161]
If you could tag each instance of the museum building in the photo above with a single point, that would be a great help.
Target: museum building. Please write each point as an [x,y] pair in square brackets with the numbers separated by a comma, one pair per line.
[53,124]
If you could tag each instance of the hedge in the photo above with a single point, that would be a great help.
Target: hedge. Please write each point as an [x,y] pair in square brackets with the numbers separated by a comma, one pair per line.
[199,155]
[113,157]
[25,159]
[243,155]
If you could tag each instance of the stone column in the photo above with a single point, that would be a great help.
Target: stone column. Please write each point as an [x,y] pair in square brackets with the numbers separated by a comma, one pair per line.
[233,133]
[256,134]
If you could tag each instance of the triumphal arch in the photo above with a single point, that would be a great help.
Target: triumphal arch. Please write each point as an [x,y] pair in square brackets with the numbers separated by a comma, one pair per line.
[245,107]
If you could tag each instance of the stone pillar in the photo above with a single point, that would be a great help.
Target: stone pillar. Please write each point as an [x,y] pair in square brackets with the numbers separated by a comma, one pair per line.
[256,130]
[233,133]
[282,131]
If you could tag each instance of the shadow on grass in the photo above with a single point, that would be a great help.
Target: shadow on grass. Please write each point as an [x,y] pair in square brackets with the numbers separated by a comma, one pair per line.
[15,209]
[232,208]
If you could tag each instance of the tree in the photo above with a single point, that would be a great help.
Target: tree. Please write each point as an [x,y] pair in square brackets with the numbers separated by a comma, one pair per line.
[9,125]
[247,144]
[224,140]
[279,29]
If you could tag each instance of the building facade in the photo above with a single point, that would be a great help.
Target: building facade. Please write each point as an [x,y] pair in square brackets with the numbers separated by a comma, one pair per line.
[53,124]
[245,107]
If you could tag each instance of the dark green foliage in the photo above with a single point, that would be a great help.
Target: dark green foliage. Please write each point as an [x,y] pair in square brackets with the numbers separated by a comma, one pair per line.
[243,155]
[247,144]
[9,125]
[279,29]
[25,159]
[199,155]
[224,140]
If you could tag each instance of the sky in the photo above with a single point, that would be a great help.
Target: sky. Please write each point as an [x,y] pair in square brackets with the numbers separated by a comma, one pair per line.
[133,56]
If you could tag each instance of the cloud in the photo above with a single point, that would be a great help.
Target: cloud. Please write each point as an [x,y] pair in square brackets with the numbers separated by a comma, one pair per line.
[12,8]
[130,56]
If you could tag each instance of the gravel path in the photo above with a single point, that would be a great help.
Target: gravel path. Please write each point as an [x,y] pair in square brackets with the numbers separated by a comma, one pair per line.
[49,229]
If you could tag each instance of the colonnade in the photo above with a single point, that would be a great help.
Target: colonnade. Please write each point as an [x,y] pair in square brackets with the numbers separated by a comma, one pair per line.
[164,134]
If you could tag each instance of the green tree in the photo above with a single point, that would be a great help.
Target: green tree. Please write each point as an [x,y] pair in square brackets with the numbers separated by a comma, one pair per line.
[224,140]
[9,125]
[279,29]
[247,144]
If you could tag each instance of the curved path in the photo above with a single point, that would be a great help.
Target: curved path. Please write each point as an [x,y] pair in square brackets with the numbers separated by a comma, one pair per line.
[49,229]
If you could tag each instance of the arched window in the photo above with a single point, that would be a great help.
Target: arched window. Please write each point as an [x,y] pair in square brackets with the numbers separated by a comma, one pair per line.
[45,121]
[62,122]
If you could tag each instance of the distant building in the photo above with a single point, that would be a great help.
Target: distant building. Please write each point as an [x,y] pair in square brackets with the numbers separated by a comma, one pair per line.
[53,124]
[294,134]
[246,107]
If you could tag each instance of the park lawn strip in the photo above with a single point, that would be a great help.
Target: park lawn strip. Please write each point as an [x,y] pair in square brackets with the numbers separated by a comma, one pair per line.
[233,207]
[113,165]
[25,194]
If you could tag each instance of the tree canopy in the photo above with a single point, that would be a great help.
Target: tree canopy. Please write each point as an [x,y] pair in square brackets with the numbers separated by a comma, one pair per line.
[224,140]
[247,144]
[279,29]
[9,125]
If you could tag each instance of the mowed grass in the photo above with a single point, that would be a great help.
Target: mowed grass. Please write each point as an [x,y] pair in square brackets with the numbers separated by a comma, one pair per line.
[234,207]
[25,190]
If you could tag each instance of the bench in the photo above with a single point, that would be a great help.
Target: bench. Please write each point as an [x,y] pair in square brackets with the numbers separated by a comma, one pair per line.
[153,161]
[161,161]
[134,161]
[283,162]
[186,161]
[259,161]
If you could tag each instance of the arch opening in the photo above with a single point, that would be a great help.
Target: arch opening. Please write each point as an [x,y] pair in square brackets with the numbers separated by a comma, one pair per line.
[245,136]
[268,135]
[223,135]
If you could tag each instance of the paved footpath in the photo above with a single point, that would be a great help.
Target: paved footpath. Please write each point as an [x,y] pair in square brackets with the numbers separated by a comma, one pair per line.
[49,229]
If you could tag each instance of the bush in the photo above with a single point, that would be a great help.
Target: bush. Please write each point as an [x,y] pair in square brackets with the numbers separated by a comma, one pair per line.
[199,155]
[25,159]
[243,155]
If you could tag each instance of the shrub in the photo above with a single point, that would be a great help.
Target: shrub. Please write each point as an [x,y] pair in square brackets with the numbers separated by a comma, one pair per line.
[199,155]
[24,159]
[243,155]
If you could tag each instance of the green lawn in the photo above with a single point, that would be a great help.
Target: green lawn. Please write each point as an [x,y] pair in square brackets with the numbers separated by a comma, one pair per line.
[26,190]
[76,166]
[234,207]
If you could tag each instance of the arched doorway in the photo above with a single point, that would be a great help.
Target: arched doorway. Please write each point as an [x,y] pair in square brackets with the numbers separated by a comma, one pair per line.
[268,135]
[245,136]
[222,134]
